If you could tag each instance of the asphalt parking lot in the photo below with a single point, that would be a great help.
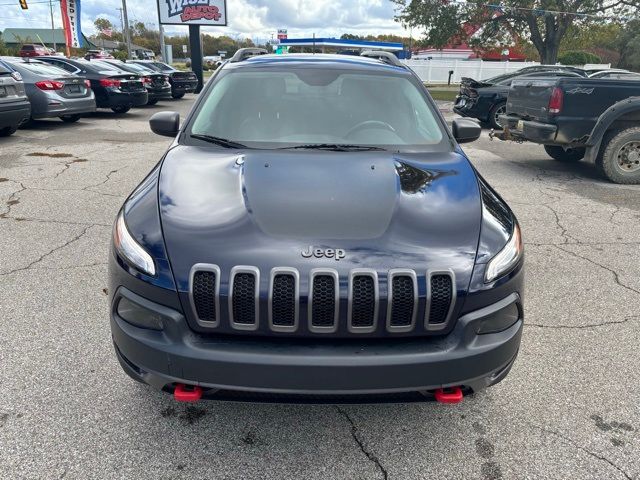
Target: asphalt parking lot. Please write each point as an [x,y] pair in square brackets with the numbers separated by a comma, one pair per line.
[569,408]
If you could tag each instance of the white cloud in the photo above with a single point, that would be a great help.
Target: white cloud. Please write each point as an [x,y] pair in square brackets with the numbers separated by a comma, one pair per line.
[247,18]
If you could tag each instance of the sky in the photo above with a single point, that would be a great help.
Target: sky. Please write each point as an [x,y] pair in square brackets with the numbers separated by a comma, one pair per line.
[256,19]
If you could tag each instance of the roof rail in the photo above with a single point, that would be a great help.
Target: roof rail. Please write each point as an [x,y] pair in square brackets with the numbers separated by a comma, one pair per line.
[386,57]
[244,53]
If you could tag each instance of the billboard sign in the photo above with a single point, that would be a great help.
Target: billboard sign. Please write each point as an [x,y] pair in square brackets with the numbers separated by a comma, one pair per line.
[192,12]
[71,22]
[282,34]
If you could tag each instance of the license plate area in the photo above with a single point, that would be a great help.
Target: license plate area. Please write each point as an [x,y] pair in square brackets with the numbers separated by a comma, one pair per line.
[74,89]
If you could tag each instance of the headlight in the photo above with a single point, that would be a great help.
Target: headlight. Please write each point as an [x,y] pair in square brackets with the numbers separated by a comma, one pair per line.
[507,258]
[130,250]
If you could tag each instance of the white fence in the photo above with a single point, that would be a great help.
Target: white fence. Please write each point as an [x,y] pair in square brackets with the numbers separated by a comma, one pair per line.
[437,71]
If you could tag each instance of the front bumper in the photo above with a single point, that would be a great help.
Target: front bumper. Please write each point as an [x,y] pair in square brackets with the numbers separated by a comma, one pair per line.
[176,354]
[530,130]
[14,114]
[469,107]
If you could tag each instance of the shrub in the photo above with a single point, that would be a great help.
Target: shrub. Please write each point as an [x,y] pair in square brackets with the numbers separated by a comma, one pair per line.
[120,54]
[578,58]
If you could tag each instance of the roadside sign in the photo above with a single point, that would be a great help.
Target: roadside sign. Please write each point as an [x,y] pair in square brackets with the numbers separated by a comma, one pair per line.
[184,49]
[282,34]
[193,12]
[222,53]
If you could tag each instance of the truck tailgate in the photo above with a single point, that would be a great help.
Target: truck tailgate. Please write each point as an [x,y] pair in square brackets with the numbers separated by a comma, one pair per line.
[530,98]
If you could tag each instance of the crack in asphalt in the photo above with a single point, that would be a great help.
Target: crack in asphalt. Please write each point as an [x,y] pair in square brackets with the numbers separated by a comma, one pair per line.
[563,229]
[356,438]
[582,327]
[12,200]
[61,222]
[580,447]
[45,255]
[615,274]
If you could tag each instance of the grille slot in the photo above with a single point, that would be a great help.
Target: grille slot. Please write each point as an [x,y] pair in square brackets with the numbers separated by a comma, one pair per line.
[402,300]
[363,301]
[441,296]
[204,288]
[243,297]
[323,301]
[283,300]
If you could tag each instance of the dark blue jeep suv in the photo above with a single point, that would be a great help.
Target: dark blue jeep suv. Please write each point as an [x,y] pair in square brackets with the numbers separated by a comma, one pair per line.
[315,233]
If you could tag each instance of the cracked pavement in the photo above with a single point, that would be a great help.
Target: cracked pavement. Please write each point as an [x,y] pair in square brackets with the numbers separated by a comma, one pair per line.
[569,408]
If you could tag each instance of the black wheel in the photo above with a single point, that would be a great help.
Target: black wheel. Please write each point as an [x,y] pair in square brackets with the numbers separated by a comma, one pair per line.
[6,131]
[562,155]
[121,109]
[153,101]
[619,157]
[498,109]
[70,118]
[177,95]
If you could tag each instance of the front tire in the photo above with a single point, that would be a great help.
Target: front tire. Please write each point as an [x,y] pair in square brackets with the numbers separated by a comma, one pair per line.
[120,109]
[496,110]
[70,118]
[7,131]
[177,96]
[562,155]
[619,157]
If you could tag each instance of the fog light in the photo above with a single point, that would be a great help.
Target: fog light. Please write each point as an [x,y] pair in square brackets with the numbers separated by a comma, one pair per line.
[139,316]
[500,320]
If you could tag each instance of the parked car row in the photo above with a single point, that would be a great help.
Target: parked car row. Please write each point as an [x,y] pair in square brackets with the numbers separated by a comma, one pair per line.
[52,86]
[486,100]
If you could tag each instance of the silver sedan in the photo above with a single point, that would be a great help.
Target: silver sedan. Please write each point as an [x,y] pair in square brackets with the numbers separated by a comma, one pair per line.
[54,92]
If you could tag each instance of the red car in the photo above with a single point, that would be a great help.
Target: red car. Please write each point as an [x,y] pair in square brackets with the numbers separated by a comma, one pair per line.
[33,50]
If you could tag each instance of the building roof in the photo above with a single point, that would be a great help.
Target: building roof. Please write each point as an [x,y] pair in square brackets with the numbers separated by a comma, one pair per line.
[341,43]
[33,35]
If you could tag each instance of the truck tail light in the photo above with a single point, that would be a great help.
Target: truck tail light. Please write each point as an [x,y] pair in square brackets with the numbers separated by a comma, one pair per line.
[555,102]
[146,80]
[50,85]
[110,82]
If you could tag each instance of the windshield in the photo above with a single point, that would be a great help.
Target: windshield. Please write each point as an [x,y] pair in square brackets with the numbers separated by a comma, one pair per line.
[275,109]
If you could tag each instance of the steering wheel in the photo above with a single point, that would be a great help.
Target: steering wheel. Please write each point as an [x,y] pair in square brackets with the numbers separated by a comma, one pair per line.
[369,124]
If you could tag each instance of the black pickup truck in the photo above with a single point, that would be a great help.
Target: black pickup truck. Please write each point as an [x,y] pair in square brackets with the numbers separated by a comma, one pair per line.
[575,118]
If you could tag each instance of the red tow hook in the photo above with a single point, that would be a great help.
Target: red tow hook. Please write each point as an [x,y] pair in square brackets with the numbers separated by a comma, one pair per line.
[448,395]
[187,393]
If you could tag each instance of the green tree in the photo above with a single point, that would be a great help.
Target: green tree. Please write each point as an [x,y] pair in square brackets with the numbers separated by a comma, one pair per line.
[629,44]
[544,22]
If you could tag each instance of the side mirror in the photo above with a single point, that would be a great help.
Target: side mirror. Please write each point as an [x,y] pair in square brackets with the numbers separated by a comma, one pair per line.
[165,123]
[465,130]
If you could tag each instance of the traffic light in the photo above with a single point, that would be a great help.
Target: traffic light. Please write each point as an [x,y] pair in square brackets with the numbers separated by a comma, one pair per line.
[23,4]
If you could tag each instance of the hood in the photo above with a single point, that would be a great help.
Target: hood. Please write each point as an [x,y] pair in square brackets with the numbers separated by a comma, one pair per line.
[263,209]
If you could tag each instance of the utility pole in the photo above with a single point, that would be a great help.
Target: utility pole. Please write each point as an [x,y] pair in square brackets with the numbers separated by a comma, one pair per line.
[53,30]
[162,47]
[127,34]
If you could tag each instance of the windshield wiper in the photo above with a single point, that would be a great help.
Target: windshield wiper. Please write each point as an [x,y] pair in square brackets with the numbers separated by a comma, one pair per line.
[223,142]
[333,146]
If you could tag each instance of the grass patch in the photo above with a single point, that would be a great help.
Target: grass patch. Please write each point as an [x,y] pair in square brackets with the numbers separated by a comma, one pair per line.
[447,95]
